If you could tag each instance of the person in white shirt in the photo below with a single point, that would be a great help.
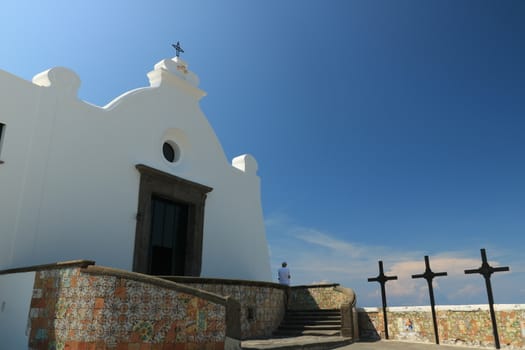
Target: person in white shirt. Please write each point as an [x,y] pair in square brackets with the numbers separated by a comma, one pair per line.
[284,274]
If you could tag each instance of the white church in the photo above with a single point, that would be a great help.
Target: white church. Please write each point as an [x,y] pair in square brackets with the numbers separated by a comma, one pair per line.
[141,184]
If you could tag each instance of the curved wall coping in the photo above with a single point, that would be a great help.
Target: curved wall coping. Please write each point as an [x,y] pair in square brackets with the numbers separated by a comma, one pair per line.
[88,266]
[206,280]
[478,307]
[316,286]
[51,266]
[349,292]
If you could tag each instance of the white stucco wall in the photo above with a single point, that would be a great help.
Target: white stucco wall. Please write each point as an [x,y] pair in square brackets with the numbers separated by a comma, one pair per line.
[69,187]
[15,301]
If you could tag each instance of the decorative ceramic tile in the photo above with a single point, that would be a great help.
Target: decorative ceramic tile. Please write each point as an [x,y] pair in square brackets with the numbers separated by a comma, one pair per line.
[74,306]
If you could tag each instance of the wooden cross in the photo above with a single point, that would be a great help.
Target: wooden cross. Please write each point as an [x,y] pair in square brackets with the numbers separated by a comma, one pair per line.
[486,271]
[382,279]
[429,276]
[178,49]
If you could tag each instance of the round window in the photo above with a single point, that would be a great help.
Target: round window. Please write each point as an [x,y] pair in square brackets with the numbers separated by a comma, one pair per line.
[171,151]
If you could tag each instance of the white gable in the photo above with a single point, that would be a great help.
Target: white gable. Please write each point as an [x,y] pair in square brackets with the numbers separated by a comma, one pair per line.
[69,185]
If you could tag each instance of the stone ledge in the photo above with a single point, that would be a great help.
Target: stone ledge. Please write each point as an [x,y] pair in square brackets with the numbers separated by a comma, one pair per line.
[224,281]
[297,343]
[317,285]
[459,308]
[51,266]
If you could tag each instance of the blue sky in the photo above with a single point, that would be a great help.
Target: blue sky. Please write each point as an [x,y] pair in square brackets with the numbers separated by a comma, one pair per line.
[383,129]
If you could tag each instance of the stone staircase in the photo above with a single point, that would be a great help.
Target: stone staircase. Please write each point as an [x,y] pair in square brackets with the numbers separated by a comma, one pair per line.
[318,317]
[321,322]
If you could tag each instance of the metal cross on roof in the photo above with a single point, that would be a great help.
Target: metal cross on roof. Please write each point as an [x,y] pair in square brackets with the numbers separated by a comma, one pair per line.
[429,276]
[382,279]
[178,49]
[486,271]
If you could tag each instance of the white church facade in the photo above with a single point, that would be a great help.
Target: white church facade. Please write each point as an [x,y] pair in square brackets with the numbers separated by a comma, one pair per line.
[141,184]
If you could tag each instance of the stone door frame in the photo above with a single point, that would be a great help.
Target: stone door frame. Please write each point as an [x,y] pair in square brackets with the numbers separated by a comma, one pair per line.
[154,182]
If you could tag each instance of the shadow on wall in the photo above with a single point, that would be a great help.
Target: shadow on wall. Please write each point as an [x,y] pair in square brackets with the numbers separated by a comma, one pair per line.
[300,298]
[320,297]
[367,329]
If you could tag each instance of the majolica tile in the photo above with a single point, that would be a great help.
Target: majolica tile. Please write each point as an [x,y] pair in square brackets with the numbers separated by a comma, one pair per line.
[89,310]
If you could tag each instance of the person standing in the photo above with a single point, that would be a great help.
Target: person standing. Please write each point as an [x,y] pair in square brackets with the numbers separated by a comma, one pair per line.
[284,274]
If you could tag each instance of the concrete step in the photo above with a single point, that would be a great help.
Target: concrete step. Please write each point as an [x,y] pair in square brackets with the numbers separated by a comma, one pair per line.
[307,342]
[321,323]
[312,322]
[283,333]
[307,326]
[319,311]
[313,315]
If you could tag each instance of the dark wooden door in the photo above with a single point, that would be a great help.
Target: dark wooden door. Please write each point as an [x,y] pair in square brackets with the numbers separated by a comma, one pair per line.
[169,230]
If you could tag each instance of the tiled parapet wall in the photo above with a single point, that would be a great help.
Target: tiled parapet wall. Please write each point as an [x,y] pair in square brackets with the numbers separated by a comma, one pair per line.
[262,303]
[323,296]
[99,308]
[463,325]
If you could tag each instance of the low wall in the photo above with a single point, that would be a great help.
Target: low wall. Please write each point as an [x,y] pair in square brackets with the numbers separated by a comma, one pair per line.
[262,303]
[468,325]
[79,305]
[75,307]
[319,296]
